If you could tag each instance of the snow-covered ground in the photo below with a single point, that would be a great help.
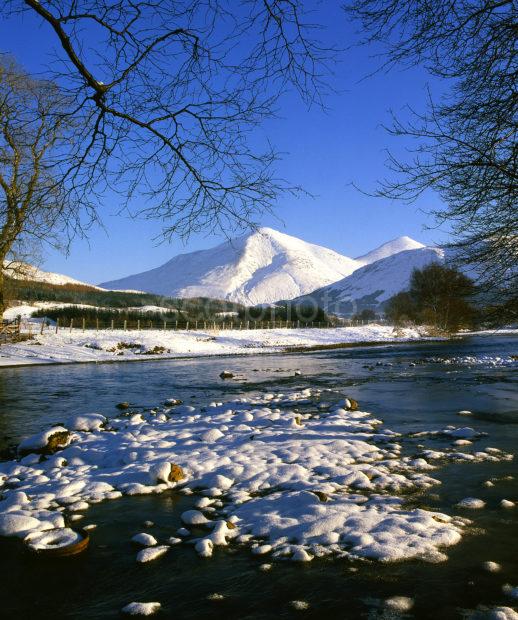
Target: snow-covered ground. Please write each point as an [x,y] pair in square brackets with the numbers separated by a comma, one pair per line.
[284,475]
[91,346]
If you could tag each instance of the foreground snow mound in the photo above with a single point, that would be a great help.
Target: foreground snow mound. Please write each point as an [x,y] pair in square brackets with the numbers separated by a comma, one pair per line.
[291,483]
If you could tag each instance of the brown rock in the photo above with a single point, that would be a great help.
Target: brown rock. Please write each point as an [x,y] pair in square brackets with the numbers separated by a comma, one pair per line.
[354,404]
[323,497]
[176,473]
[57,441]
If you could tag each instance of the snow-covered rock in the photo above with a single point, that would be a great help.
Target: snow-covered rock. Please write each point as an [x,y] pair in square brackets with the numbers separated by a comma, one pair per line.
[146,540]
[141,609]
[152,553]
[473,503]
[47,441]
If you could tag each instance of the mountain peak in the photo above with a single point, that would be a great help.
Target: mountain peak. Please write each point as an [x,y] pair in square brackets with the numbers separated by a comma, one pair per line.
[394,246]
[261,266]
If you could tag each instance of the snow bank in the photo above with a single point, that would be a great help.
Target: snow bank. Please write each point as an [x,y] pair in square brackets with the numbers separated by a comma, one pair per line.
[289,484]
[90,346]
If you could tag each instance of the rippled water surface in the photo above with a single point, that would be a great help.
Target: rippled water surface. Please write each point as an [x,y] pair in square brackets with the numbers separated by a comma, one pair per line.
[410,387]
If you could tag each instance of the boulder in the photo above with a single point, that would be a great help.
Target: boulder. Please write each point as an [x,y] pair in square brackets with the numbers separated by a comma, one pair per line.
[165,472]
[47,442]
[353,404]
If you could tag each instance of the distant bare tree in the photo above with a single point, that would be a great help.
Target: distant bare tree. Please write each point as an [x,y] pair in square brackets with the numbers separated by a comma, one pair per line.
[169,91]
[35,204]
[466,143]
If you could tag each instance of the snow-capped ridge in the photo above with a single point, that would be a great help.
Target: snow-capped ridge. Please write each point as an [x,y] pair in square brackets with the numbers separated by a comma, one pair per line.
[394,246]
[24,271]
[374,283]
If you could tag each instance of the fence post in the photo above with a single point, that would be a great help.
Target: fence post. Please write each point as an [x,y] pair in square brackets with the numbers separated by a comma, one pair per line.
[125,325]
[176,324]
[57,325]
[165,325]
[97,324]
[187,326]
[42,324]
[138,324]
[112,324]
[71,324]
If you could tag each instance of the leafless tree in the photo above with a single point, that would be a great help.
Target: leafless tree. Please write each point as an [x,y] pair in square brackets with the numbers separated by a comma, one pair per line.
[466,142]
[169,92]
[35,204]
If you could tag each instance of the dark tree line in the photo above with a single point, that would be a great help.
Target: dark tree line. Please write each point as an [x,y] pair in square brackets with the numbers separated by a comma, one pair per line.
[438,296]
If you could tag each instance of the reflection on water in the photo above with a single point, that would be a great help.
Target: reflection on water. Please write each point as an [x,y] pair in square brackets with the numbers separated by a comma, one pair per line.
[408,398]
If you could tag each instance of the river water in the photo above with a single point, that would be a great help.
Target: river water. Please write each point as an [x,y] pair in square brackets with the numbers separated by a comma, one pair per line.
[411,387]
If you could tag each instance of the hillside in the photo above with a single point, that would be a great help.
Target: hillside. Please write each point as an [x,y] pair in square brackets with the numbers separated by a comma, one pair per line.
[24,271]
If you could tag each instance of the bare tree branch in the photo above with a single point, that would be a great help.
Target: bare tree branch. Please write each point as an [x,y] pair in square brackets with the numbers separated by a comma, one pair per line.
[170,93]
[466,144]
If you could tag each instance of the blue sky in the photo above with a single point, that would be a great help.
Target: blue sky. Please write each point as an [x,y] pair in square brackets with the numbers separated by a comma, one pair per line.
[324,151]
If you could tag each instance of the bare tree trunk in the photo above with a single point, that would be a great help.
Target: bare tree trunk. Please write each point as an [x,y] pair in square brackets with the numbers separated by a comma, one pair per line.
[3,300]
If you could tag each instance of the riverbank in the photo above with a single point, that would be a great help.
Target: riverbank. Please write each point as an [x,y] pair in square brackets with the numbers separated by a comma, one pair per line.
[75,346]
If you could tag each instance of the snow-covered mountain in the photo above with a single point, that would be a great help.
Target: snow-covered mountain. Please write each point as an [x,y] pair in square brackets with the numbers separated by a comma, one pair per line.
[24,271]
[390,248]
[371,285]
[263,266]
[266,266]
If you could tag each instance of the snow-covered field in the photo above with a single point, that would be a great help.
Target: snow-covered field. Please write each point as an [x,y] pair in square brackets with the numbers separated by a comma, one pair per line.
[289,476]
[90,346]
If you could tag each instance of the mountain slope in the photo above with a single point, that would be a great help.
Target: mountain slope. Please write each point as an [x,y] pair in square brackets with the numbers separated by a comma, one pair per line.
[261,267]
[24,271]
[401,244]
[374,283]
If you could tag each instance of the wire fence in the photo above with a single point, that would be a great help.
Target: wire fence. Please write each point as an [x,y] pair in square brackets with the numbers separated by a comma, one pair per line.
[84,324]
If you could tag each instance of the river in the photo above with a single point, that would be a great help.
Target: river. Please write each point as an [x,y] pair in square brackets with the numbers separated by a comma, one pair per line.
[410,387]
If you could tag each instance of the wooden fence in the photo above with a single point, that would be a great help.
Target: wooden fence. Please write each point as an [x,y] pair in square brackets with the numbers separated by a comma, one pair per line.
[10,331]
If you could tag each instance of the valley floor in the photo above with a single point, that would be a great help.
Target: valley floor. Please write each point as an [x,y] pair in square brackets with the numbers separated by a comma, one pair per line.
[74,345]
